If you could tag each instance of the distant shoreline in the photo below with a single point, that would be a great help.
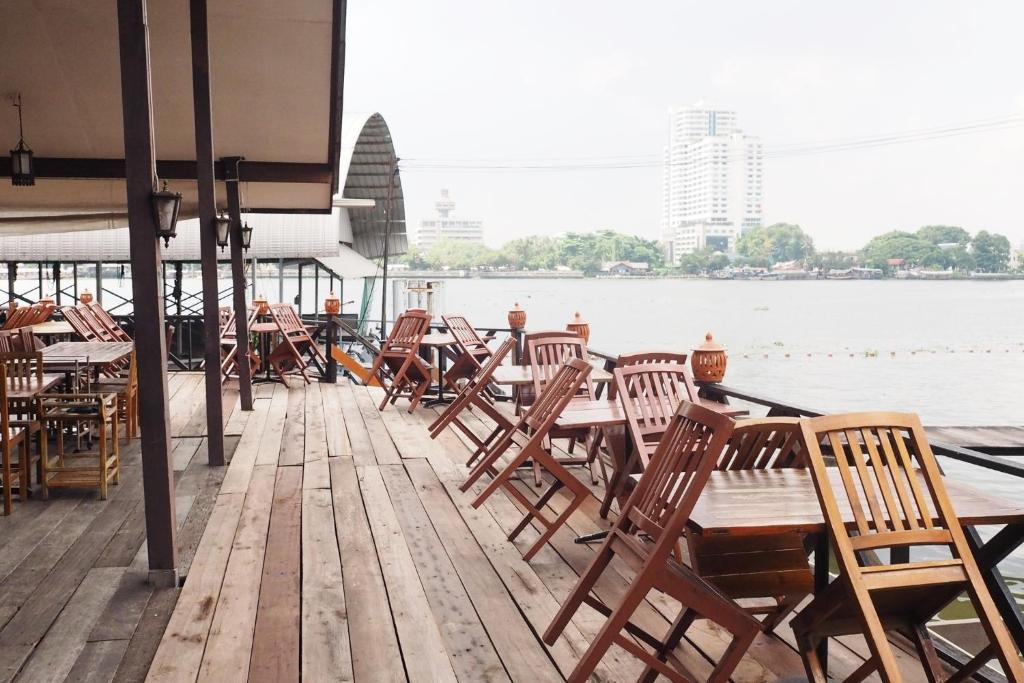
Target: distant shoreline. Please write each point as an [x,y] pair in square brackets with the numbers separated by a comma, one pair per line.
[769,277]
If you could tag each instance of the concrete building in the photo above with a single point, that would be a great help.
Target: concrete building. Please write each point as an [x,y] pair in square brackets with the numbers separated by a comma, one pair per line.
[712,181]
[445,225]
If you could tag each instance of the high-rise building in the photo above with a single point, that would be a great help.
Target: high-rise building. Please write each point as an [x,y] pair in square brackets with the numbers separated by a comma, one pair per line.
[444,225]
[712,183]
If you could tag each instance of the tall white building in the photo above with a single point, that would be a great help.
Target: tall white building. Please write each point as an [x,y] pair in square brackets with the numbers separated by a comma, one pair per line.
[444,225]
[712,183]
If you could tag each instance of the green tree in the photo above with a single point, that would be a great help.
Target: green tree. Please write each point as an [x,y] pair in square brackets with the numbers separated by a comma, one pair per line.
[944,234]
[991,252]
[900,245]
[775,243]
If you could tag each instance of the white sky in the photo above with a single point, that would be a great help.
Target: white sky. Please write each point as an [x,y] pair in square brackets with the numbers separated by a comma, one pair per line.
[565,79]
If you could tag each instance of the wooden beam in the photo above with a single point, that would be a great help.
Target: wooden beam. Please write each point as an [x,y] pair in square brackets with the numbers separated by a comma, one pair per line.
[150,344]
[207,229]
[231,164]
[114,169]
[340,12]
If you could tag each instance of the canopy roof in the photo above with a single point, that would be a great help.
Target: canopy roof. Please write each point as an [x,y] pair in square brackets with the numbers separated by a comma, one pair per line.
[276,69]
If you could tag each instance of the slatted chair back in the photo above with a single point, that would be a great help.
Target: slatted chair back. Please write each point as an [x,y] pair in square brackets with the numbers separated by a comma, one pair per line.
[560,388]
[661,503]
[229,341]
[471,345]
[228,329]
[549,354]
[24,369]
[650,394]
[6,341]
[24,340]
[108,321]
[408,332]
[544,334]
[40,313]
[761,444]
[895,491]
[17,317]
[74,317]
[661,357]
[293,331]
[99,329]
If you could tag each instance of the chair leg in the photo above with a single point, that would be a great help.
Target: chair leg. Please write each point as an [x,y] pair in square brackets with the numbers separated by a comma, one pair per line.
[580,592]
[7,474]
[103,458]
[926,652]
[554,526]
[675,634]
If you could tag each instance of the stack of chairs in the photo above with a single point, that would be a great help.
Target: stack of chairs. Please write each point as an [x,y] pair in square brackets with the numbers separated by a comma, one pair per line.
[289,356]
[28,316]
[473,350]
[398,367]
[229,342]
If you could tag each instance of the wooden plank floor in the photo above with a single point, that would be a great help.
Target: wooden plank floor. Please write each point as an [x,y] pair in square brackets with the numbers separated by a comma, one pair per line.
[340,548]
[74,601]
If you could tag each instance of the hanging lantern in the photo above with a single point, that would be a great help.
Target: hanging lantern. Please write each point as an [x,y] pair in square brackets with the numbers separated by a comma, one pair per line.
[166,205]
[708,361]
[332,304]
[246,236]
[85,297]
[517,317]
[580,327]
[223,224]
[22,169]
[262,307]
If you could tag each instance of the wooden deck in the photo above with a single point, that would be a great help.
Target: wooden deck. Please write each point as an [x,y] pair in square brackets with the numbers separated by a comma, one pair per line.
[338,547]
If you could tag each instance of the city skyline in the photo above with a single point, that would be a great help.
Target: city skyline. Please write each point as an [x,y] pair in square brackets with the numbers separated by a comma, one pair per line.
[798,74]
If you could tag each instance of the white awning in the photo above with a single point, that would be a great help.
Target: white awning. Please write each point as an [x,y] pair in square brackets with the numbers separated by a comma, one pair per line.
[350,264]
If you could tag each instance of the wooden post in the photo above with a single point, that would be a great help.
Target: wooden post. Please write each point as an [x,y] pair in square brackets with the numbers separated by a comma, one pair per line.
[207,230]
[238,282]
[332,339]
[151,346]
[99,283]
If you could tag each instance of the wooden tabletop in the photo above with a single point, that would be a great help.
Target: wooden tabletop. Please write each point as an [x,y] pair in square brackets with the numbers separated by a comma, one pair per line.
[52,327]
[435,339]
[91,353]
[50,380]
[523,374]
[752,502]
[263,328]
[608,412]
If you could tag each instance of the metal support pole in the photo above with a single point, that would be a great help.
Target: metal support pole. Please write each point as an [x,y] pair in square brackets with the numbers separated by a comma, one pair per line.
[99,282]
[151,346]
[12,278]
[207,230]
[56,282]
[387,248]
[298,297]
[280,280]
[238,282]
[331,375]
[255,266]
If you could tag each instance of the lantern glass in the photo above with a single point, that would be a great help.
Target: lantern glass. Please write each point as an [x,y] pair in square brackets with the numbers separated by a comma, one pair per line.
[22,172]
[223,228]
[246,236]
[166,205]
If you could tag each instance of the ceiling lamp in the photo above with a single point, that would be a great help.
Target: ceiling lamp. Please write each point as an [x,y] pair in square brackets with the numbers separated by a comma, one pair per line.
[165,211]
[246,236]
[22,172]
[223,224]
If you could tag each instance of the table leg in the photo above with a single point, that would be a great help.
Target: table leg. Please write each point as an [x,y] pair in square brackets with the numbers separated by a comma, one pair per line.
[619,444]
[988,555]
[442,367]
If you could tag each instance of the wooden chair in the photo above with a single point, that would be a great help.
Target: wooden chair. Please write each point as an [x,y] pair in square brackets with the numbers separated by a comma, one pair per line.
[91,414]
[74,317]
[887,472]
[10,438]
[644,358]
[473,396]
[398,367]
[24,340]
[644,537]
[6,341]
[39,313]
[92,320]
[17,317]
[22,370]
[107,321]
[473,350]
[229,343]
[529,434]
[126,389]
[289,354]
[771,569]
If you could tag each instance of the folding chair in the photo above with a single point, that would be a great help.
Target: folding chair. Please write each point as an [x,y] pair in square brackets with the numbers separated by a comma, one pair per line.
[399,360]
[473,350]
[644,537]
[773,569]
[229,343]
[17,317]
[886,472]
[473,396]
[73,316]
[11,437]
[529,434]
[99,329]
[289,354]
[107,321]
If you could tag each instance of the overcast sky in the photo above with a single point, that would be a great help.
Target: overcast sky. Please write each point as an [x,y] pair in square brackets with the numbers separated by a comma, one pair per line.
[547,79]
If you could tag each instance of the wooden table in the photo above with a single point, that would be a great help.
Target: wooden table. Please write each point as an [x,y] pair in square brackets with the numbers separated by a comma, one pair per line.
[53,328]
[50,380]
[95,355]
[753,502]
[519,375]
[608,412]
[438,341]
[266,330]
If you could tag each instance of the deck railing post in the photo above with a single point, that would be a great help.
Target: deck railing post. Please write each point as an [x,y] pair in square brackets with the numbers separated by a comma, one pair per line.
[207,232]
[151,347]
[331,375]
[238,282]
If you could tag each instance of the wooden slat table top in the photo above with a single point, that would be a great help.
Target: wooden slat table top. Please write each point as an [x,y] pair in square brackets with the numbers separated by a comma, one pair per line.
[263,328]
[50,380]
[54,327]
[608,413]
[752,502]
[95,353]
[523,374]
[435,339]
